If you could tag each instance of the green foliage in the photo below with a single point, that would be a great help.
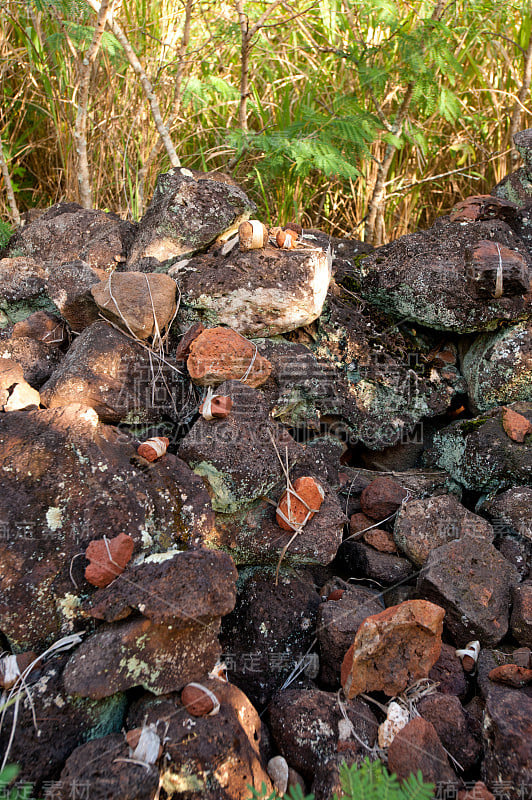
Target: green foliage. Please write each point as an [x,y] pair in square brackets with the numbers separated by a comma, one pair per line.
[369,781]
[7,776]
[6,232]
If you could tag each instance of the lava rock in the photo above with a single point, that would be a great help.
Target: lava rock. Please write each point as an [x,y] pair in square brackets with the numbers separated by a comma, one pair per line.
[269,632]
[521,619]
[418,747]
[64,479]
[338,622]
[423,525]
[362,560]
[393,648]
[69,287]
[479,455]
[37,359]
[23,282]
[221,354]
[451,723]
[142,304]
[472,581]
[512,509]
[307,726]
[258,292]
[237,456]
[507,736]
[67,232]
[448,673]
[427,277]
[185,216]
[174,587]
[497,367]
[107,371]
[138,652]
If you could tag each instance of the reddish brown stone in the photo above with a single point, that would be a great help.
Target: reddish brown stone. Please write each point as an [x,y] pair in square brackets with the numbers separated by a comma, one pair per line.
[183,348]
[381,498]
[336,594]
[522,657]
[380,540]
[359,522]
[196,700]
[521,620]
[418,747]
[310,491]
[286,239]
[515,425]
[108,559]
[220,354]
[221,406]
[448,672]
[41,326]
[511,675]
[478,792]
[152,449]
[394,648]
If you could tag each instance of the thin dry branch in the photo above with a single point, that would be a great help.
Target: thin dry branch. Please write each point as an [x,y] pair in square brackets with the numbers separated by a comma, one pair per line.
[145,82]
[80,129]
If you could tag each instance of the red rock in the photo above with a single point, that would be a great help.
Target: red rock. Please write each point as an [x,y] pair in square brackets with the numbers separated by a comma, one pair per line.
[221,406]
[521,620]
[479,792]
[308,490]
[359,522]
[286,239]
[183,348]
[381,498]
[103,570]
[41,326]
[220,354]
[511,675]
[394,648]
[515,425]
[197,700]
[252,235]
[381,540]
[418,747]
[154,448]
[336,594]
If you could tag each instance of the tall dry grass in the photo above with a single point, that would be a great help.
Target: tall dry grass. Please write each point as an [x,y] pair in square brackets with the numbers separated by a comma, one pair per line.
[307,90]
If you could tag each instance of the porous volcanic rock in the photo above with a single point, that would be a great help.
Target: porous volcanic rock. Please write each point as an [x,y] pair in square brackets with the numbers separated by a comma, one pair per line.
[308,728]
[498,367]
[259,292]
[338,622]
[393,648]
[521,619]
[449,673]
[507,734]
[480,456]
[103,766]
[237,455]
[65,478]
[184,216]
[451,723]
[362,560]
[472,581]
[270,630]
[67,232]
[140,303]
[37,359]
[171,587]
[23,282]
[138,652]
[512,510]
[230,741]
[63,723]
[418,747]
[252,536]
[428,277]
[106,370]
[69,287]
[423,525]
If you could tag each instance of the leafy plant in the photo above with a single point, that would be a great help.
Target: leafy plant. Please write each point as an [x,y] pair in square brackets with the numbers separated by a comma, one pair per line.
[369,781]
[6,231]
[7,776]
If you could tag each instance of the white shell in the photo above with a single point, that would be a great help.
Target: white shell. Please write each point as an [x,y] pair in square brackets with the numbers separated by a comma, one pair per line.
[278,771]
[472,649]
[395,721]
